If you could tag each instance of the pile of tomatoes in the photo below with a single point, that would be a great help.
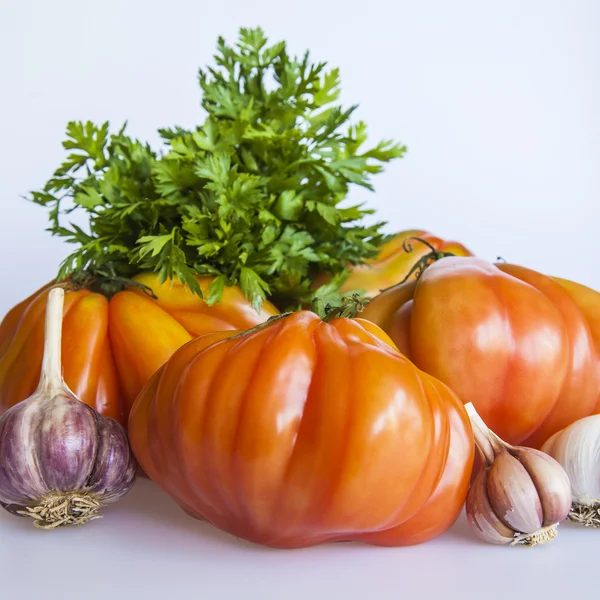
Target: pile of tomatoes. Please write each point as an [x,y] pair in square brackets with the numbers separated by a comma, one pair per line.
[297,429]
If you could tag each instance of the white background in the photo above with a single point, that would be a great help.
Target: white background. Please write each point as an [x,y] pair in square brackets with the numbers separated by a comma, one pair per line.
[498,105]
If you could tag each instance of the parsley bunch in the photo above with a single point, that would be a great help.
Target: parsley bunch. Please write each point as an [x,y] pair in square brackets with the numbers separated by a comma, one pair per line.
[253,196]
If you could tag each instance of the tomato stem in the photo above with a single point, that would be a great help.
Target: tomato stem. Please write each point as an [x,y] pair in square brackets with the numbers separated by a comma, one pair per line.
[349,308]
[426,261]
[107,284]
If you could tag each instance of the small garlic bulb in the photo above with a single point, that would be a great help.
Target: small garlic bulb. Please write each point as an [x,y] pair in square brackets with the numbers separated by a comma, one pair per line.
[60,461]
[520,494]
[577,449]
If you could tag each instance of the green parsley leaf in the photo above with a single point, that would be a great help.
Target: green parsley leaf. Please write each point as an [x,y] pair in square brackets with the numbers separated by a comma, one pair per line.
[251,196]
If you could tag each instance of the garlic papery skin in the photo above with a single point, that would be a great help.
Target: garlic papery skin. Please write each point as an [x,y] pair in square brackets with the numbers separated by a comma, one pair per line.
[577,449]
[519,496]
[60,461]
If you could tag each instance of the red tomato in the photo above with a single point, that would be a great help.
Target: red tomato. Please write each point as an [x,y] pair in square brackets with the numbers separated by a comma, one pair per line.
[522,347]
[301,432]
[111,347]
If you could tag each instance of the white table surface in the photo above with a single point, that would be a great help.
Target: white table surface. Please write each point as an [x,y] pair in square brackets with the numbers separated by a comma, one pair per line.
[145,547]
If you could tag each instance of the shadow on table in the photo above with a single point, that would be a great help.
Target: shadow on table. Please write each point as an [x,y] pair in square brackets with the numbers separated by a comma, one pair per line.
[148,501]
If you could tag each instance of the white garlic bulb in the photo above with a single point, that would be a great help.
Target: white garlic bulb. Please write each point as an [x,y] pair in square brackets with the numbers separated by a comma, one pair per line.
[577,449]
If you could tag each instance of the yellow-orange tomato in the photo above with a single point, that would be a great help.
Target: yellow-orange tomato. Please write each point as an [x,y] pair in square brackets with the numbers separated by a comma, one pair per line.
[111,348]
[393,263]
[302,432]
[524,348]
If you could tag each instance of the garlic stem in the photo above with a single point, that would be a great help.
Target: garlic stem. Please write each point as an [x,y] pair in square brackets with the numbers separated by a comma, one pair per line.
[51,376]
[481,433]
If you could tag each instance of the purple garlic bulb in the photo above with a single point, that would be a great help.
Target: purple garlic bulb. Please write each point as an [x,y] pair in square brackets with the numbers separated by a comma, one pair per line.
[60,460]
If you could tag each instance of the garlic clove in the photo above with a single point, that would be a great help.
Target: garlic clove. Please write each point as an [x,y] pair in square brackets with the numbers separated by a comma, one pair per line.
[481,516]
[552,483]
[20,477]
[65,432]
[115,465]
[520,494]
[513,494]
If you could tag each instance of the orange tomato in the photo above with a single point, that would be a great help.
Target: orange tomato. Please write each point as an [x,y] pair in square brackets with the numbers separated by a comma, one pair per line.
[524,348]
[393,263]
[302,432]
[111,348]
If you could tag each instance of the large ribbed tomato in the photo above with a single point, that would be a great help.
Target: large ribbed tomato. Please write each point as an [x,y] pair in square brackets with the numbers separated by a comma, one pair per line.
[394,263]
[111,348]
[304,431]
[522,347]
